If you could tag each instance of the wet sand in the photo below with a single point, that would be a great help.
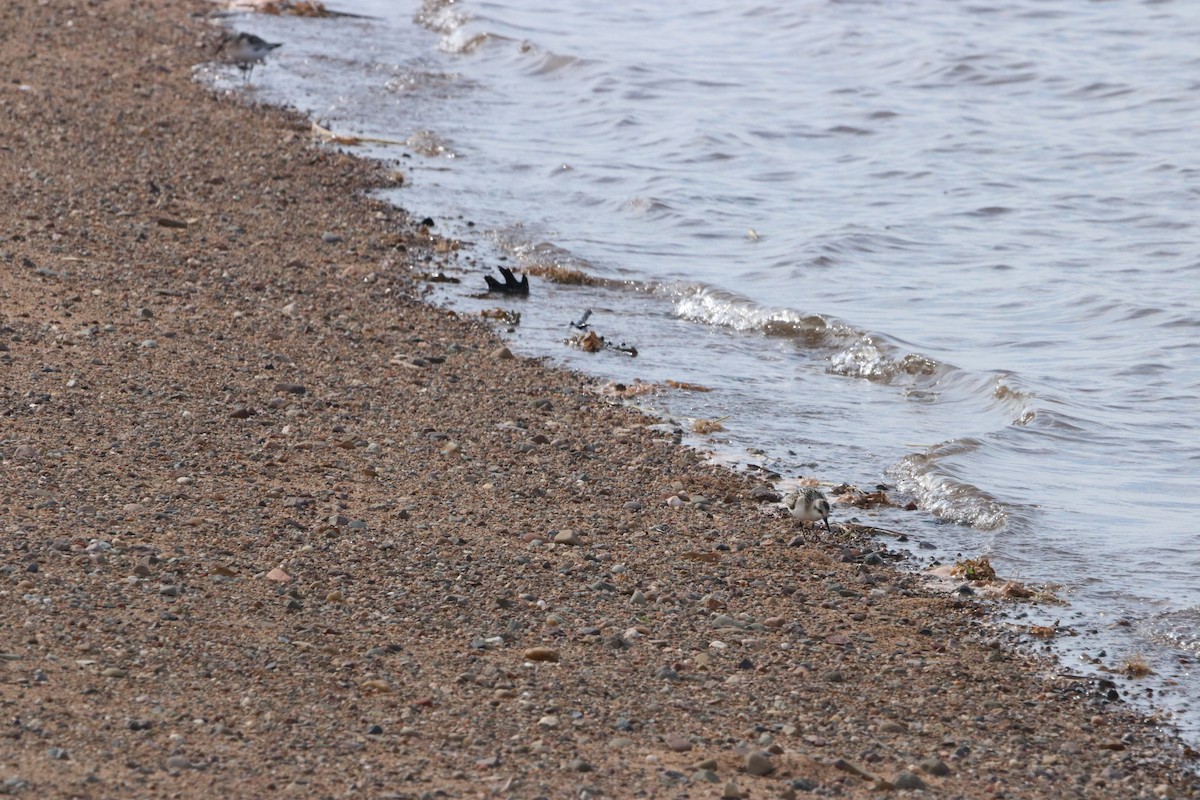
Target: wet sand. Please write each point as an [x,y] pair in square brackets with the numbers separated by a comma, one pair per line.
[274,526]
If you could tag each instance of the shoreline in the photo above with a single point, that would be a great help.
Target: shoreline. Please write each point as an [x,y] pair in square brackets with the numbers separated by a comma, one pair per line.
[268,515]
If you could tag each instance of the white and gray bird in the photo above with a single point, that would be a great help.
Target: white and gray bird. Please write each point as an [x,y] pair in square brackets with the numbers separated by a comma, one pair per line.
[808,505]
[245,50]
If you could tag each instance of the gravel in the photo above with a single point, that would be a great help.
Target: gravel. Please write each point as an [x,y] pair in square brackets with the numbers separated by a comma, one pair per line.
[249,638]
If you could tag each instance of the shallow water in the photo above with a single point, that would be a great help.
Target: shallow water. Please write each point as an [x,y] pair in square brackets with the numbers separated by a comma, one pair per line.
[947,247]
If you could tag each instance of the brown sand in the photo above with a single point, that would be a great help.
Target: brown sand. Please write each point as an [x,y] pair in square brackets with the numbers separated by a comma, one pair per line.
[265,514]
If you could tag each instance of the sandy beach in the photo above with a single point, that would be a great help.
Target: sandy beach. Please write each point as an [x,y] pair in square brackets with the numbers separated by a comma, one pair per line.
[273,526]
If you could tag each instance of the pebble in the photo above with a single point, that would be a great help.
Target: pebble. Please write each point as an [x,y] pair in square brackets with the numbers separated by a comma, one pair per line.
[677,743]
[549,721]
[891,726]
[178,763]
[637,598]
[764,494]
[541,654]
[329,237]
[375,685]
[278,575]
[907,780]
[731,792]
[934,766]
[172,590]
[26,451]
[620,742]
[706,776]
[58,754]
[568,538]
[579,765]
[113,672]
[633,505]
[759,764]
[502,354]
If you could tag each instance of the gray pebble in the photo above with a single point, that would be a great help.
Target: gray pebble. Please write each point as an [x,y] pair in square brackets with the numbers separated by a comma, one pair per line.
[907,780]
[677,743]
[178,762]
[759,764]
[568,538]
[934,766]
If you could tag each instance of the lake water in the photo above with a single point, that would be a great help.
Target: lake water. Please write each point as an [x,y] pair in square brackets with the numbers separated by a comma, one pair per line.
[947,247]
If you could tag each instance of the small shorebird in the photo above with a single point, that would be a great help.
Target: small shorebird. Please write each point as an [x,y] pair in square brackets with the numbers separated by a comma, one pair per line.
[245,50]
[808,505]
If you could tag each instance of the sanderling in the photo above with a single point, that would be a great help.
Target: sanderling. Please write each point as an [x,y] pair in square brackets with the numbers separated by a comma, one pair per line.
[245,50]
[808,504]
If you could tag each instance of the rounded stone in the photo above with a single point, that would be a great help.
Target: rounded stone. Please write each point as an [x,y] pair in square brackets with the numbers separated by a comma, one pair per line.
[677,743]
[541,654]
[759,764]
[568,538]
[907,780]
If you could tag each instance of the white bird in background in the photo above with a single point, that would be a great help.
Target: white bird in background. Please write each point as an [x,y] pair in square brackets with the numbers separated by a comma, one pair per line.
[245,50]
[808,505]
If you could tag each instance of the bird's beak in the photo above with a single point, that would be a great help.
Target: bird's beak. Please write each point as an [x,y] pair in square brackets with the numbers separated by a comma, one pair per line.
[826,521]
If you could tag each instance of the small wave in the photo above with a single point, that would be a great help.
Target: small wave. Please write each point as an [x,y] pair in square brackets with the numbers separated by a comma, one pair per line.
[849,130]
[928,479]
[719,308]
[441,16]
[448,19]
[853,352]
[547,63]
[1180,629]
[428,143]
